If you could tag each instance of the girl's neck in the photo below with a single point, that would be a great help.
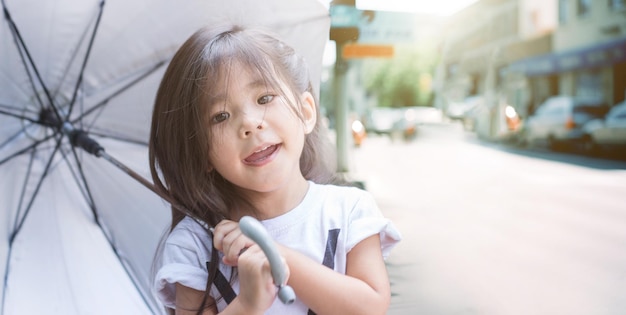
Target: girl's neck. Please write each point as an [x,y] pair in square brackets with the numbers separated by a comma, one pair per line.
[275,203]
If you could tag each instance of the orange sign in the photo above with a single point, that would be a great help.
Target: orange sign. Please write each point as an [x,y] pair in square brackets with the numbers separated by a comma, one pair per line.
[351,51]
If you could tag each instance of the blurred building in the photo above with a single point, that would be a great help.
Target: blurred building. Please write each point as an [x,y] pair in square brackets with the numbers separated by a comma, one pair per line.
[519,52]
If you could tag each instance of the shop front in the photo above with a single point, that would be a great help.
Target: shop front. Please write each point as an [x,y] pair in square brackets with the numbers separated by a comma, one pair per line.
[593,72]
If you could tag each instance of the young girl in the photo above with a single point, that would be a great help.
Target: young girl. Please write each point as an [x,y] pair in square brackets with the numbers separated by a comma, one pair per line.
[235,132]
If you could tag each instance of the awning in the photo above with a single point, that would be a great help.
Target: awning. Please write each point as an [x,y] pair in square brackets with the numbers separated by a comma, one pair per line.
[589,57]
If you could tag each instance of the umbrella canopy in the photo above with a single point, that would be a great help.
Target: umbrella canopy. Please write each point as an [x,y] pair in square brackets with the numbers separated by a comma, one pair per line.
[77,234]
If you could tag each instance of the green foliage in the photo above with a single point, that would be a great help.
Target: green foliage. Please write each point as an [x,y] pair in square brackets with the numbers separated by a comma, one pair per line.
[404,80]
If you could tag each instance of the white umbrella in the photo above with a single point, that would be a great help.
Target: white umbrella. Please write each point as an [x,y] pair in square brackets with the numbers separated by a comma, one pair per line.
[78,234]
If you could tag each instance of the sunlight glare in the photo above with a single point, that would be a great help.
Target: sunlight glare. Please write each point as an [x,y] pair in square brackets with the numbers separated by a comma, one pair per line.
[440,7]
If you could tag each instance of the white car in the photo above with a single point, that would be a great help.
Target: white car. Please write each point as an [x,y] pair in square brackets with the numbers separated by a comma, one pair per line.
[607,133]
[394,121]
[559,121]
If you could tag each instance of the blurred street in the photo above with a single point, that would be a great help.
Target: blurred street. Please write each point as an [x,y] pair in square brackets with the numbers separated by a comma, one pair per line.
[493,230]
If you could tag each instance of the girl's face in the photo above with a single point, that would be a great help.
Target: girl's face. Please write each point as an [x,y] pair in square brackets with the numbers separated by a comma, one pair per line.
[256,135]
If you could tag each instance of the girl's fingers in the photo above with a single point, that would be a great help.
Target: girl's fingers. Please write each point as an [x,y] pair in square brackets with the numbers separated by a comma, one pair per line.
[229,240]
[257,286]
[222,229]
[234,247]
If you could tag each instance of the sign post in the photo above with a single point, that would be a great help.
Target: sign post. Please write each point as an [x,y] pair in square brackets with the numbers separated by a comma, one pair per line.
[360,34]
[344,19]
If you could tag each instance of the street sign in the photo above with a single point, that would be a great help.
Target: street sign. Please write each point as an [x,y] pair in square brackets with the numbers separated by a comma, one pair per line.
[352,51]
[344,16]
[389,28]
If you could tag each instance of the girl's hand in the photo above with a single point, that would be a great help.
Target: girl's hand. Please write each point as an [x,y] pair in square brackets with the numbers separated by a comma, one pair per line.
[257,289]
[228,239]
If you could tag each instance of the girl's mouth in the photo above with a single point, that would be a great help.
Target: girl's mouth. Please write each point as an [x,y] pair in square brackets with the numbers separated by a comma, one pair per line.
[262,156]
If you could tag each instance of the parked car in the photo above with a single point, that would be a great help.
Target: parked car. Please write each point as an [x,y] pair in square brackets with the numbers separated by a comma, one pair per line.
[608,133]
[458,110]
[558,122]
[393,122]
[498,122]
[380,120]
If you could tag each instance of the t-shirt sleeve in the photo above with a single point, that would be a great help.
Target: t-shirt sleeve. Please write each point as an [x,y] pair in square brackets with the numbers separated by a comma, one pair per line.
[182,262]
[367,220]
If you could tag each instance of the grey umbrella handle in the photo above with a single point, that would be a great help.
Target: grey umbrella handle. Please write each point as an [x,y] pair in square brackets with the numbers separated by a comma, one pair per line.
[253,229]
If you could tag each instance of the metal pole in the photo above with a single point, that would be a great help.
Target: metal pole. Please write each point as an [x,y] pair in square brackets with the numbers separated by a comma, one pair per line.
[341,109]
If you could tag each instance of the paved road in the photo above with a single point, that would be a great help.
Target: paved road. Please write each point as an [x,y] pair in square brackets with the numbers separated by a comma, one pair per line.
[492,230]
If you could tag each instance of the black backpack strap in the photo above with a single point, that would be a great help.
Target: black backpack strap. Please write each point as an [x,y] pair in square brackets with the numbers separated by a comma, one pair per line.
[223,286]
[329,255]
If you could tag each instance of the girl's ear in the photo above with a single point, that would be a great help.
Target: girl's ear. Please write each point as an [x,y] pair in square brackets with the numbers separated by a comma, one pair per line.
[309,114]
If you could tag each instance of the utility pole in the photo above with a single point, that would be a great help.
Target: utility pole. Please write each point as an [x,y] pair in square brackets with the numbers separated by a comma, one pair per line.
[344,29]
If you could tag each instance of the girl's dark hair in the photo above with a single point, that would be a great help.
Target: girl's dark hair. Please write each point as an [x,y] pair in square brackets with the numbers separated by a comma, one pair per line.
[179,138]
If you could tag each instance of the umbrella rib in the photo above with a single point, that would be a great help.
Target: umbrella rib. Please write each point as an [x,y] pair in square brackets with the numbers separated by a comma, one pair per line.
[23,194]
[26,149]
[119,91]
[25,64]
[6,277]
[35,192]
[9,140]
[17,109]
[71,61]
[100,109]
[17,215]
[87,54]
[7,113]
[92,205]
[85,187]
[18,225]
[21,45]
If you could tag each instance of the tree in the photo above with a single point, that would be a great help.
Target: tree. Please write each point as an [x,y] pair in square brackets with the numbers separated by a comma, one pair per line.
[403,80]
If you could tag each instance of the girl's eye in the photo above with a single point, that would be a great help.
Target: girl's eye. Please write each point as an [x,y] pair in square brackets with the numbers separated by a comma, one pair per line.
[265,99]
[220,117]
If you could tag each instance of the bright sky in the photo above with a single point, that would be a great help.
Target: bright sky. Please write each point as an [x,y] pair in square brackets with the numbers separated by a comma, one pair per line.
[436,7]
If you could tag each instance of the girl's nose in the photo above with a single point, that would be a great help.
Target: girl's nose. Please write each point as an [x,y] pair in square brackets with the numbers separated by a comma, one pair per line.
[252,121]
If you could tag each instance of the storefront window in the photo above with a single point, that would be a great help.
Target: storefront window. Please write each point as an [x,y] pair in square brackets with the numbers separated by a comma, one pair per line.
[590,86]
[584,7]
[617,4]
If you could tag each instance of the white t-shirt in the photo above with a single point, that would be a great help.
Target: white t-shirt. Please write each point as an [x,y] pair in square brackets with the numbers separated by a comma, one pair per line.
[325,226]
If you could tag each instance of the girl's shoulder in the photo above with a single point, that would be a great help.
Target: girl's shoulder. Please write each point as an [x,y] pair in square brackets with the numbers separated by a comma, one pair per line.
[358,214]
[188,230]
[191,225]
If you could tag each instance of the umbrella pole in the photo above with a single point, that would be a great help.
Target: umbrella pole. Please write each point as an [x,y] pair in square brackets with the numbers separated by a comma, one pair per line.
[80,138]
[144,182]
[133,174]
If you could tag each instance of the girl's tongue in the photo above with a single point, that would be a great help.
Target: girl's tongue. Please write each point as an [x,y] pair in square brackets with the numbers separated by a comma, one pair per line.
[261,155]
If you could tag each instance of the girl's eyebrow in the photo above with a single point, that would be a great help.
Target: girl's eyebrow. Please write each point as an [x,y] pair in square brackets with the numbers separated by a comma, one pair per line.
[259,82]
[215,99]
[221,97]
